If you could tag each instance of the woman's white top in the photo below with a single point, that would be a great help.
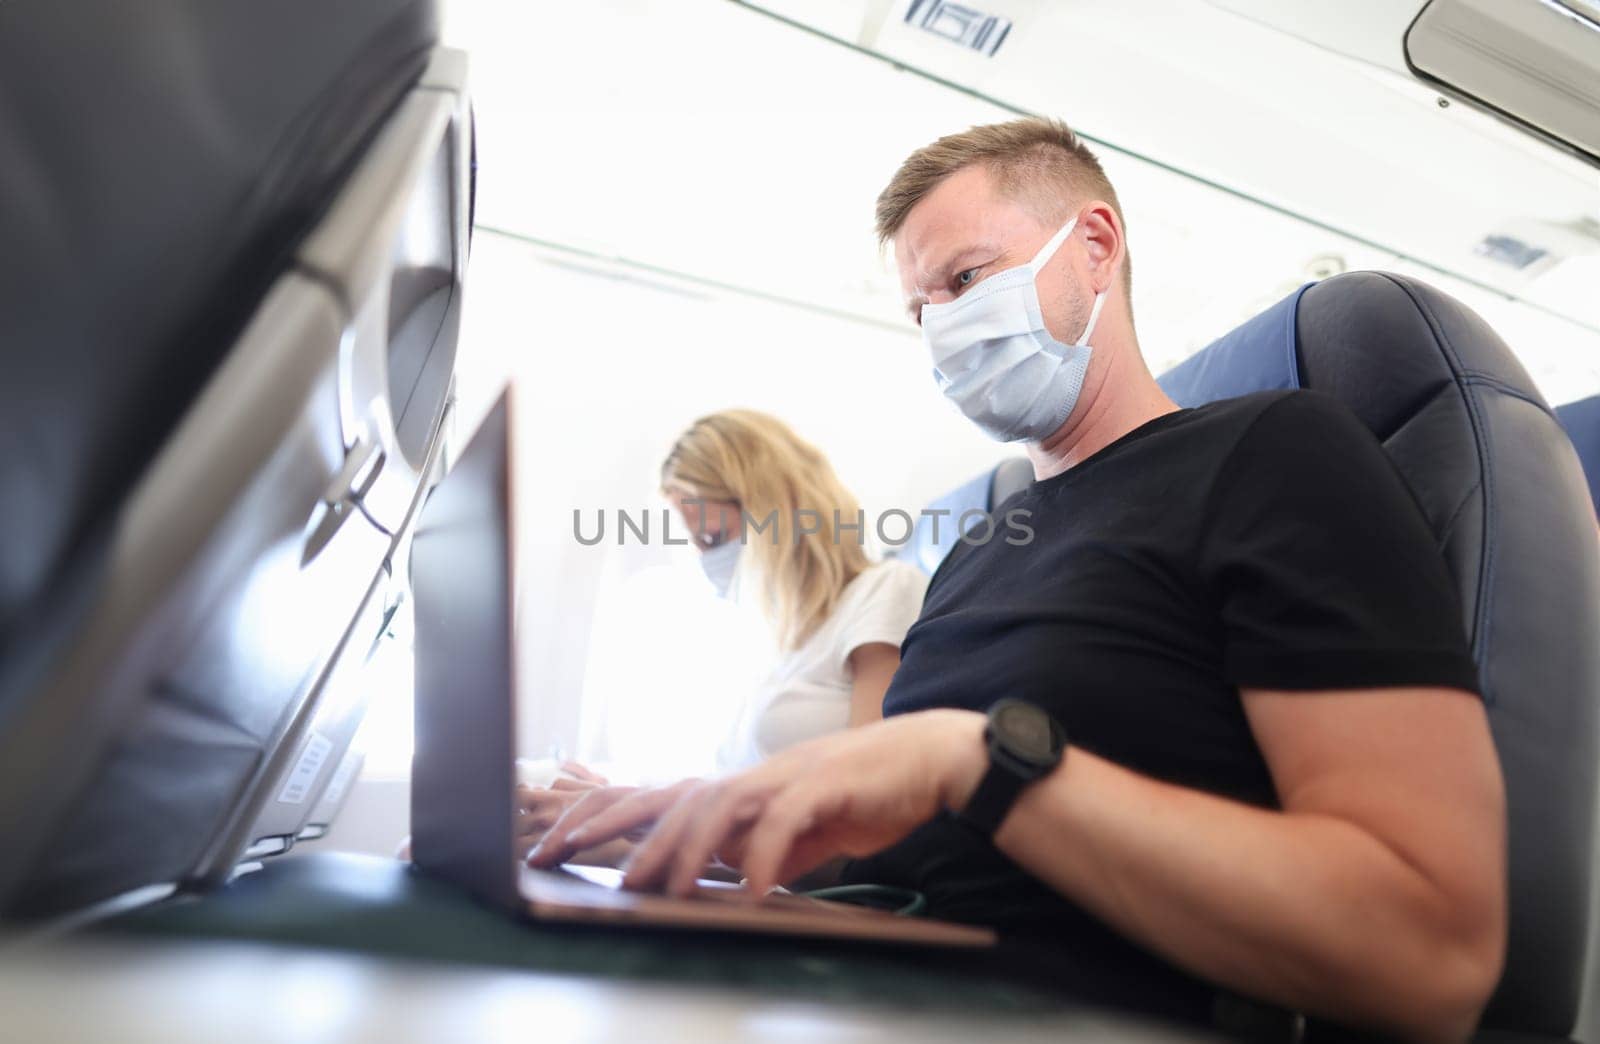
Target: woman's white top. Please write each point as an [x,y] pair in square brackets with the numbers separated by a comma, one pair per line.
[808,692]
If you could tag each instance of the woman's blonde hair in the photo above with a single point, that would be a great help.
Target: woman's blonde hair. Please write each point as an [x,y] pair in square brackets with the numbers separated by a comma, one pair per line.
[756,461]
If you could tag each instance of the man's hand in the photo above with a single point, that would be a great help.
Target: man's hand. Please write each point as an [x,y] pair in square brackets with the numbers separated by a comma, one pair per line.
[851,793]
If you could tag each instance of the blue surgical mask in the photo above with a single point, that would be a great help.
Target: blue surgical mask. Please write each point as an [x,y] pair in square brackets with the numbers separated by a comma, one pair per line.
[994,358]
[719,564]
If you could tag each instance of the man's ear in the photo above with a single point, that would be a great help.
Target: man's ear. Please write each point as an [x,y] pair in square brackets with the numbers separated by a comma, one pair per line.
[1103,234]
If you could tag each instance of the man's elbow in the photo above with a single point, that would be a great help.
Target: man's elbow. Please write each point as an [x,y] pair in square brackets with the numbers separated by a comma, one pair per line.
[1444,998]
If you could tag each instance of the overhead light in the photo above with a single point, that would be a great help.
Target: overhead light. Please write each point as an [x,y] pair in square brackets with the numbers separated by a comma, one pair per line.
[1532,247]
[1324,266]
[1510,251]
[960,24]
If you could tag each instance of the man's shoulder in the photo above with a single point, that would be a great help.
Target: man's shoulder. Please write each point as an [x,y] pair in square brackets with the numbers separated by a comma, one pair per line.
[1288,401]
[1280,414]
[1213,429]
[1302,441]
[1266,432]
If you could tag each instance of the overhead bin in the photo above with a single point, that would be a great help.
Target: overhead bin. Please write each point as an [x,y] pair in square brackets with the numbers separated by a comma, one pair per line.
[1536,63]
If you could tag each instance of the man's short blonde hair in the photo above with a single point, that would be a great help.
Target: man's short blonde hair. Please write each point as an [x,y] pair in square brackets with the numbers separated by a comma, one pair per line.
[1036,161]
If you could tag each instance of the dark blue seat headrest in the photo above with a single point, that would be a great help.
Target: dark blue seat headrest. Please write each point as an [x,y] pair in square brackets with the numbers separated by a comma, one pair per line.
[1257,356]
[1582,421]
[1262,355]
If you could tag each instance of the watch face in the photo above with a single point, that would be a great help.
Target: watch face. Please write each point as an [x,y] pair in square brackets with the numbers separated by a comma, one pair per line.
[1026,731]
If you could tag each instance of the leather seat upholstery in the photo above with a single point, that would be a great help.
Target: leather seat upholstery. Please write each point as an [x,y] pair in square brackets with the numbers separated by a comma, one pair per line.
[235,236]
[162,159]
[1582,421]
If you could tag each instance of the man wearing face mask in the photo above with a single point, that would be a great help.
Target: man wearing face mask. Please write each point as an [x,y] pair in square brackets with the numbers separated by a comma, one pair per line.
[1214,733]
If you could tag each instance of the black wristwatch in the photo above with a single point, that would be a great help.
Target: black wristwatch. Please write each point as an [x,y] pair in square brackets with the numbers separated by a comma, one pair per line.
[1025,744]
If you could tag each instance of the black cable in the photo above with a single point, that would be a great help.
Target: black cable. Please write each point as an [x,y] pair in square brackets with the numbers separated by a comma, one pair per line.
[910,903]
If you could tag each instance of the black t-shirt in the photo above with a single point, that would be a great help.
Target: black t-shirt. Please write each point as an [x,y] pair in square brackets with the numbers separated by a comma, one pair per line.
[1258,542]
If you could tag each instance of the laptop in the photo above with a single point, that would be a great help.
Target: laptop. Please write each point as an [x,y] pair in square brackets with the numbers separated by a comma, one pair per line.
[463,574]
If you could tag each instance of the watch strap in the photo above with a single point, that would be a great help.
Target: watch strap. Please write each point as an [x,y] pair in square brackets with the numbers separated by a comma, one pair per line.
[996,793]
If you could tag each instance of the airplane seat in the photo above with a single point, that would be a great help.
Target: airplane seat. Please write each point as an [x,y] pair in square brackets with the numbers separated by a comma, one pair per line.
[1499,483]
[230,295]
[1012,475]
[1257,355]
[943,522]
[1582,421]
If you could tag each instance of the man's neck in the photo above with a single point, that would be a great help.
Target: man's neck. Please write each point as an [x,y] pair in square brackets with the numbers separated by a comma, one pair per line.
[1124,397]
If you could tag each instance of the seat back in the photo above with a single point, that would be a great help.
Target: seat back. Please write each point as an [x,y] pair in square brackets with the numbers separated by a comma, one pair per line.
[395,242]
[1582,421]
[231,425]
[1505,496]
[942,524]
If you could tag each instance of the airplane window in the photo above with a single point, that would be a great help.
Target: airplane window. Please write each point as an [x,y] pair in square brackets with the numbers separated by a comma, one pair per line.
[670,664]
[385,735]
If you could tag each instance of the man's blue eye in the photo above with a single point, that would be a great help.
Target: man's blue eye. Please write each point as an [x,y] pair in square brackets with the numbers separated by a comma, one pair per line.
[966,278]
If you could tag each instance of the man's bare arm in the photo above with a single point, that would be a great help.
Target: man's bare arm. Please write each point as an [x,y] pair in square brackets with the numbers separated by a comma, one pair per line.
[1377,894]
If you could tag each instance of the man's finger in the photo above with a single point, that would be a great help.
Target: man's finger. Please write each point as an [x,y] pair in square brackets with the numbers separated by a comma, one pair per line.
[730,853]
[573,834]
[731,808]
[807,852]
[786,817]
[535,825]
[637,810]
[653,858]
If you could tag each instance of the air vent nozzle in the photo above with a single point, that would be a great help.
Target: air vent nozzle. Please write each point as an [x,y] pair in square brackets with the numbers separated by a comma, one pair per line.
[960,24]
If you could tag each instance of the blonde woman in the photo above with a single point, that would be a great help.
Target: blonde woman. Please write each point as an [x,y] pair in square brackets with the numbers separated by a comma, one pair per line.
[775,526]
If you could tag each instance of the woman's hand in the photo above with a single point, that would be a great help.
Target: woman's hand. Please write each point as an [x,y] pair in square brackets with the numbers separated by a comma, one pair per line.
[538,808]
[571,834]
[580,774]
[851,793]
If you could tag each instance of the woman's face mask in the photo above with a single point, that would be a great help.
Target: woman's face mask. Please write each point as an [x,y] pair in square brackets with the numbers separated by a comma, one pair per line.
[719,564]
[714,526]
